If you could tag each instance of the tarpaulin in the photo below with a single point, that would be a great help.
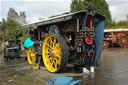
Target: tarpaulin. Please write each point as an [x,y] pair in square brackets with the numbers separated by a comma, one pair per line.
[62,80]
[99,31]
[28,43]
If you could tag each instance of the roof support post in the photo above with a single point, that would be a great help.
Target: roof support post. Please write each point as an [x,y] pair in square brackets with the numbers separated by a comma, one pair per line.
[77,24]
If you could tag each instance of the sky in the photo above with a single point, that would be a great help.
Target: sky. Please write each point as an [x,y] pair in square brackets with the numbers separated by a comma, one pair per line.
[36,9]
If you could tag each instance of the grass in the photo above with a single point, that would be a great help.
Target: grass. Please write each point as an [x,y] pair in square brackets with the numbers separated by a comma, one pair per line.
[12,77]
[1,47]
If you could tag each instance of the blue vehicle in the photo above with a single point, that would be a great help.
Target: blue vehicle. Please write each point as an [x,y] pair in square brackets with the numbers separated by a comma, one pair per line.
[74,38]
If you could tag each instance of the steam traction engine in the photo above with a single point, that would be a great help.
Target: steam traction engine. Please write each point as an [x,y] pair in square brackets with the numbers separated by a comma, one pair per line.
[115,37]
[74,38]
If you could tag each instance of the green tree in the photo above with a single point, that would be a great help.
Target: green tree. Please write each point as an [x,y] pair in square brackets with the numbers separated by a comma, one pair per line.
[99,6]
[2,25]
[77,5]
[14,22]
[12,26]
[22,18]
[25,34]
[2,31]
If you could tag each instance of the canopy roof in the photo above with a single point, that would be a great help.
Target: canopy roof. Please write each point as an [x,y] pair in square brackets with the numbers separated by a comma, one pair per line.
[59,18]
[115,30]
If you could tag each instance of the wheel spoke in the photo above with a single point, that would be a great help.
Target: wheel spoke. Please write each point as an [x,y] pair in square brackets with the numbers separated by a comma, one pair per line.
[33,55]
[54,42]
[53,61]
[49,46]
[51,40]
[47,53]
[58,61]
[33,60]
[32,50]
[56,46]
[58,55]
[55,64]
[58,50]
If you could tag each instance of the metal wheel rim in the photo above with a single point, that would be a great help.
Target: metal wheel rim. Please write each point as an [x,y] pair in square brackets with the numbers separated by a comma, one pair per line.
[51,53]
[31,55]
[123,42]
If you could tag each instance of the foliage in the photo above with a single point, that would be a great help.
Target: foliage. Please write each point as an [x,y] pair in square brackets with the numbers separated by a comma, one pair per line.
[1,37]
[99,6]
[12,26]
[22,18]
[13,29]
[2,30]
[25,35]
[122,23]
[77,6]
[118,25]
[14,22]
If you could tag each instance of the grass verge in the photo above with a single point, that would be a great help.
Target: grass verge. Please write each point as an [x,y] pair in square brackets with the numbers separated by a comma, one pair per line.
[12,77]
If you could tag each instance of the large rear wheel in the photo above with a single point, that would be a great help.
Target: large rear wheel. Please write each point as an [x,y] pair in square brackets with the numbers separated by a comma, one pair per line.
[54,53]
[31,55]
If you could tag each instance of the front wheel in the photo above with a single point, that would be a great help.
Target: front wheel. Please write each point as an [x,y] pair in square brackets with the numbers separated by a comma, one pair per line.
[31,55]
[54,53]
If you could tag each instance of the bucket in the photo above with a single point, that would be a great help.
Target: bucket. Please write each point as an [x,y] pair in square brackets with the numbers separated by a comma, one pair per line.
[35,66]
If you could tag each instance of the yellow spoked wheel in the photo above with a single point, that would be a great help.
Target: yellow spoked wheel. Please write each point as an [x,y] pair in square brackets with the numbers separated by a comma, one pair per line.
[31,55]
[53,53]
